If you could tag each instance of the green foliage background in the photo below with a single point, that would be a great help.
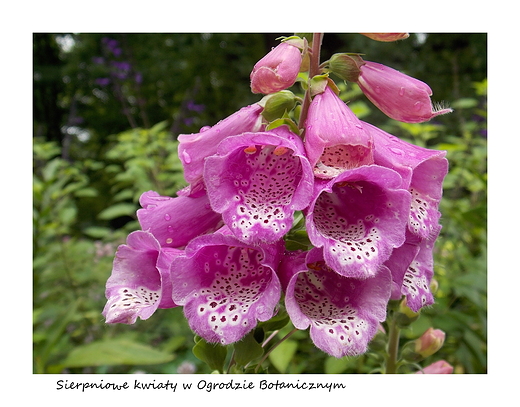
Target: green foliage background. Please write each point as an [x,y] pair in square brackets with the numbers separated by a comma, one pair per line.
[97,146]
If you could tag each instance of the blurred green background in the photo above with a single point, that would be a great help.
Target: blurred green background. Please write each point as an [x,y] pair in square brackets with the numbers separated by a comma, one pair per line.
[107,110]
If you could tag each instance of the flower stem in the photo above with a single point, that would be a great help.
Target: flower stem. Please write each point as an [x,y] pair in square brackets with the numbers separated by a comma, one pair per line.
[314,69]
[273,348]
[393,347]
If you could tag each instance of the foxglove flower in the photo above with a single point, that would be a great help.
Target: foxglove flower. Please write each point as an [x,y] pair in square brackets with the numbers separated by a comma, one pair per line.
[277,70]
[175,221]
[397,95]
[343,313]
[358,218]
[335,139]
[412,270]
[225,285]
[423,171]
[140,280]
[257,181]
[194,148]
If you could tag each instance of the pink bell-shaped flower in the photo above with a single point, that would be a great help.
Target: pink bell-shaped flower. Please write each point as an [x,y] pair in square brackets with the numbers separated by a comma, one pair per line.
[277,70]
[257,181]
[397,95]
[226,286]
[358,218]
[343,313]
[140,281]
[335,139]
[194,148]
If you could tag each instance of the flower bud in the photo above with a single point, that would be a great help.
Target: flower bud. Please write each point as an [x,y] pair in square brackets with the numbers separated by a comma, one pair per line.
[405,316]
[386,37]
[439,367]
[346,66]
[277,104]
[430,342]
[397,95]
[278,69]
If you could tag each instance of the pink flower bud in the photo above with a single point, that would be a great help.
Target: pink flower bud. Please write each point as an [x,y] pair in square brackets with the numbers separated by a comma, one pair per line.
[440,367]
[277,70]
[386,37]
[397,95]
[430,342]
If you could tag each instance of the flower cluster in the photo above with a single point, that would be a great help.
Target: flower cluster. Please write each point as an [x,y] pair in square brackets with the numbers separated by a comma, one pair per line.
[369,203]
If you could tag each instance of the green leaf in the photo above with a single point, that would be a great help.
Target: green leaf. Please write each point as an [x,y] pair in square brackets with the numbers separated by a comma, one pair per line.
[115,352]
[214,355]
[247,349]
[277,322]
[335,365]
[96,232]
[283,354]
[86,193]
[117,210]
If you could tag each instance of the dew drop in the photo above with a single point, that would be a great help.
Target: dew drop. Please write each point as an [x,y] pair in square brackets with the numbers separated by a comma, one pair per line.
[170,229]
[186,157]
[169,240]
[378,89]
[167,217]
[401,92]
[396,151]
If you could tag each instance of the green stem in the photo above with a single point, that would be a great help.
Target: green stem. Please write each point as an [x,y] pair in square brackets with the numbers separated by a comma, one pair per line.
[273,348]
[393,347]
[314,69]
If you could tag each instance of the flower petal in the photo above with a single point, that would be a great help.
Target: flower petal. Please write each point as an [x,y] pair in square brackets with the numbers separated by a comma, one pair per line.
[175,221]
[418,276]
[397,95]
[423,171]
[194,148]
[335,139]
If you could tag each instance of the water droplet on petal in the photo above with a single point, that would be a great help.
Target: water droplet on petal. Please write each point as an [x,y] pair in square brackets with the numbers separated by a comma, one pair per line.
[170,229]
[169,240]
[378,89]
[203,129]
[167,217]
[186,157]
[396,151]
[401,92]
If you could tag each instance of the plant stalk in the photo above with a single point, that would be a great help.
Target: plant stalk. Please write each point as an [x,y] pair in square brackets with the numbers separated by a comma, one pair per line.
[314,69]
[393,347]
